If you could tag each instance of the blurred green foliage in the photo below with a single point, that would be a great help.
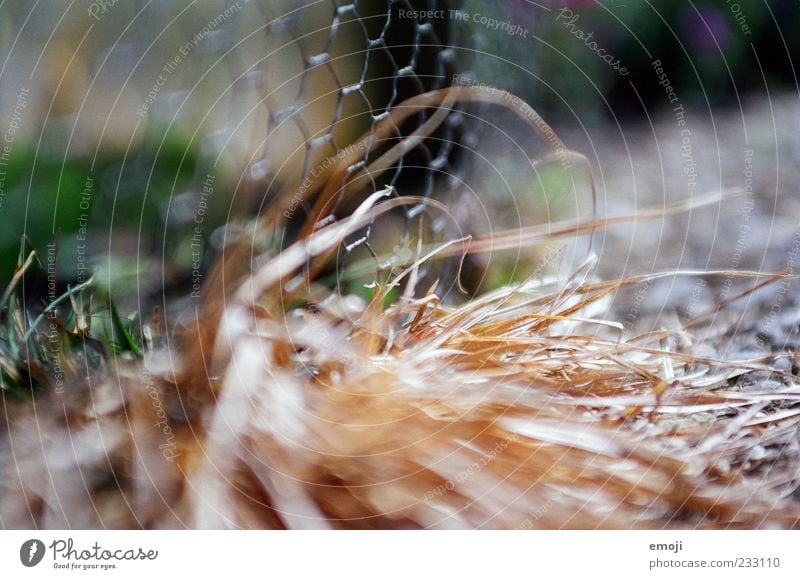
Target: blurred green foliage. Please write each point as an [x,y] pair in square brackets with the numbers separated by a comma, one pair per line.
[81,204]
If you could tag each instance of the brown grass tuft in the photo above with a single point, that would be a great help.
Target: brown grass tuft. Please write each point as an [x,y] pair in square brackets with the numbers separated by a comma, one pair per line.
[525,407]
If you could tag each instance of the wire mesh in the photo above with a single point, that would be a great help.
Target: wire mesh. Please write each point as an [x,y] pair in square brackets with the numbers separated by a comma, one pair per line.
[357,66]
[158,104]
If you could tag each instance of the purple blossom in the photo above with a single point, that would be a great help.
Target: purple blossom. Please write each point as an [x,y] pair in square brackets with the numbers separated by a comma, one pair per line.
[704,29]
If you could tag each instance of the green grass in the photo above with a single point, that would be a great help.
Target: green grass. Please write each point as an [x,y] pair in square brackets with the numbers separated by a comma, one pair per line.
[74,200]
[43,345]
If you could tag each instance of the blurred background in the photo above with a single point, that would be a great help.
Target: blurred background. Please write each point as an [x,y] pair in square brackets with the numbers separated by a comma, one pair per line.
[139,131]
[669,100]
[135,132]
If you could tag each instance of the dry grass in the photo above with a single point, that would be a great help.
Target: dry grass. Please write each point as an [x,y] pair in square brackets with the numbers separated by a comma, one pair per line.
[521,408]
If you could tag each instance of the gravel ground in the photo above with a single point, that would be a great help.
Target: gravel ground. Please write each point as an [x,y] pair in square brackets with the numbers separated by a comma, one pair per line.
[754,148]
